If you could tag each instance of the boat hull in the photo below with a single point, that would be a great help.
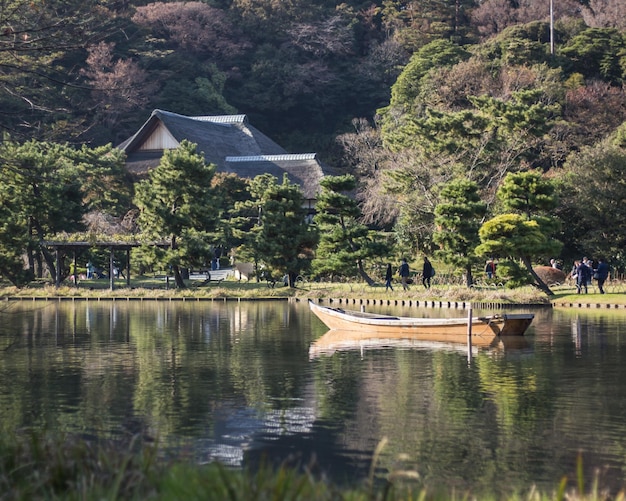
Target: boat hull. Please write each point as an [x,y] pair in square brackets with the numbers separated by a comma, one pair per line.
[484,329]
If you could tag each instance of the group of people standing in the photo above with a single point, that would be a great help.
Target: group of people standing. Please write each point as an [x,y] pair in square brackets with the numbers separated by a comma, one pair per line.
[584,271]
[404,272]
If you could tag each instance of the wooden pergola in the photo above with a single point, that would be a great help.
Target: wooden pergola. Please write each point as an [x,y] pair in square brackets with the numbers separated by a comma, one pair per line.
[77,248]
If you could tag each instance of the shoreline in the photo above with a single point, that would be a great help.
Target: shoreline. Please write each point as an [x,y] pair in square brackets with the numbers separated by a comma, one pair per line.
[427,303]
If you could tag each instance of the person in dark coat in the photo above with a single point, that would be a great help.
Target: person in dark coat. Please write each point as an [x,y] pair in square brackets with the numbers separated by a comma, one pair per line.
[388,278]
[602,273]
[583,275]
[427,273]
[404,273]
[490,269]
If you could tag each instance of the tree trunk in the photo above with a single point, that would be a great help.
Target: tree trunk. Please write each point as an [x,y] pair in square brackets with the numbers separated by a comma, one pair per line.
[50,262]
[38,264]
[292,278]
[31,249]
[538,282]
[469,279]
[363,273]
[178,278]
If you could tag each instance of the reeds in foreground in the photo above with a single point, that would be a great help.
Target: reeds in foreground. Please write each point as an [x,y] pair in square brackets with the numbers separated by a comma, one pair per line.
[54,467]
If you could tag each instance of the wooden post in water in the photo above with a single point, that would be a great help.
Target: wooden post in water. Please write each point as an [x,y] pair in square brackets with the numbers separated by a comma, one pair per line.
[75,269]
[111,267]
[469,333]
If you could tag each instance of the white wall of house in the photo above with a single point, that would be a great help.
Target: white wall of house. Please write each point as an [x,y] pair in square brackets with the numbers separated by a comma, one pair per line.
[160,139]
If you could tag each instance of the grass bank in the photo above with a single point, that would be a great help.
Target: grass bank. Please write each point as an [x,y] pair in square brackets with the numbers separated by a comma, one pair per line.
[149,287]
[38,467]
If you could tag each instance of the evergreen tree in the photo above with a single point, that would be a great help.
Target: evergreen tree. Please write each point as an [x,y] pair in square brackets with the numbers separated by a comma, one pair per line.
[593,200]
[526,232]
[598,53]
[13,241]
[238,214]
[281,239]
[344,242]
[457,220]
[47,188]
[178,203]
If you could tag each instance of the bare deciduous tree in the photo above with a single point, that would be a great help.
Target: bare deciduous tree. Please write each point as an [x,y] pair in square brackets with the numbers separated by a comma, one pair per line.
[368,160]
[118,86]
[594,111]
[331,36]
[493,16]
[193,26]
[605,14]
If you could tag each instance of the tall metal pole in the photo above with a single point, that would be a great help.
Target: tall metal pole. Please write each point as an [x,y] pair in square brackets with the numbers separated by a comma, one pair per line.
[552,27]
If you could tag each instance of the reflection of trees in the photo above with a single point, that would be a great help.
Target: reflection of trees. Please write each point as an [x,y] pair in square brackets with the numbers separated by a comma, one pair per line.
[276,368]
[433,409]
[166,366]
[190,370]
[515,414]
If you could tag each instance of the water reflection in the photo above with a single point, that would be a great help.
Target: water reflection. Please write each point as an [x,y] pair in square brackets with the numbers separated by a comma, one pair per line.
[237,382]
[343,340]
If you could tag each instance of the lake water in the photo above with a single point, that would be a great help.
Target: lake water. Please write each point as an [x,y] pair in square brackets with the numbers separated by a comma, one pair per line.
[235,382]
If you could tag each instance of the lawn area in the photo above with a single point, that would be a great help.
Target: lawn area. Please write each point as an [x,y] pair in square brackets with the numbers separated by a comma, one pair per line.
[159,287]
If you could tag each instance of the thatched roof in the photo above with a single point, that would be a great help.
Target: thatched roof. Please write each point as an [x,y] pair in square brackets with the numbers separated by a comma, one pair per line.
[227,141]
[304,170]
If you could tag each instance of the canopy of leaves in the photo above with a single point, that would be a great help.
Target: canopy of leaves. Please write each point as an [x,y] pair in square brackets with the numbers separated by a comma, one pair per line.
[344,242]
[282,239]
[527,193]
[594,194]
[48,188]
[598,53]
[514,236]
[434,55]
[458,217]
[39,42]
[178,203]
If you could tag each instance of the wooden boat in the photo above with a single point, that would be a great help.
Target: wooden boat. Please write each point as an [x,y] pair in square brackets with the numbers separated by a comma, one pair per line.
[484,329]
[342,340]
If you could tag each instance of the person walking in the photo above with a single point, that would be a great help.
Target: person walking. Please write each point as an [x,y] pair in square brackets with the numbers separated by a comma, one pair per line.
[427,273]
[589,264]
[388,278]
[602,273]
[490,269]
[582,273]
[404,273]
[90,269]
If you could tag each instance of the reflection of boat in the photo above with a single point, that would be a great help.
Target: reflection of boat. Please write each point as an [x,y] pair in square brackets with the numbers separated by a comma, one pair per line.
[484,329]
[342,340]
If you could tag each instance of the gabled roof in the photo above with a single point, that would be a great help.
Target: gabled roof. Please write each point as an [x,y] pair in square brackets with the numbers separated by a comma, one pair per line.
[227,141]
[216,136]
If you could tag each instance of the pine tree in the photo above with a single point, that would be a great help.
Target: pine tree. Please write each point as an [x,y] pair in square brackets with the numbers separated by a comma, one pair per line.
[457,220]
[282,239]
[178,203]
[344,242]
[526,231]
[47,188]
